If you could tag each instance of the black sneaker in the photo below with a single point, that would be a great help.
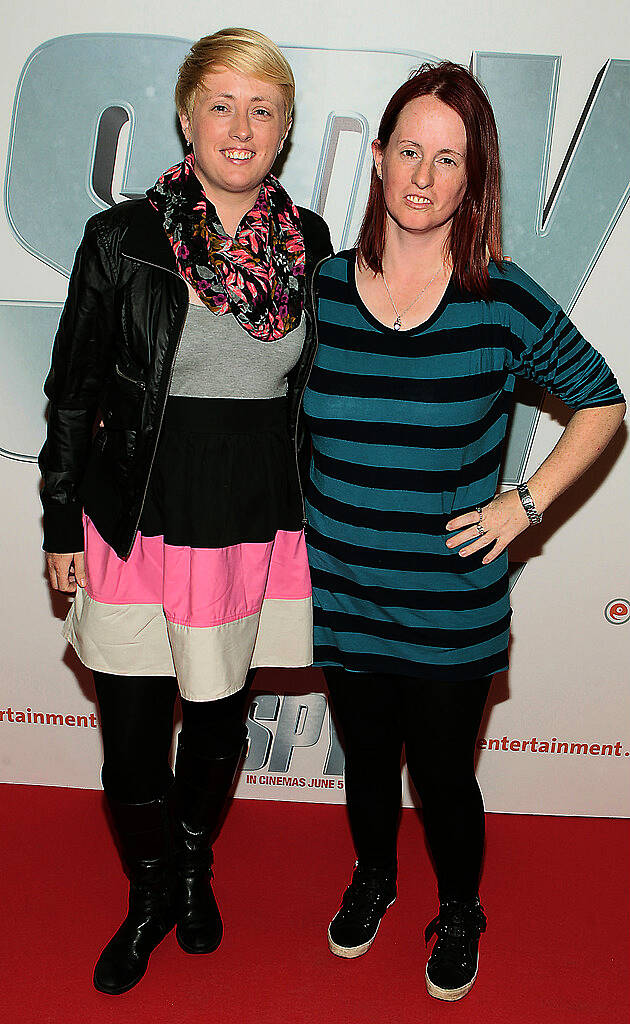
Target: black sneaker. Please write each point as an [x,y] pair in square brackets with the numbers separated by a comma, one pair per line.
[353,928]
[452,966]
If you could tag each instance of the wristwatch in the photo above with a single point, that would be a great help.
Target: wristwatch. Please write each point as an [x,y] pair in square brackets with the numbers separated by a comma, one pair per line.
[534,516]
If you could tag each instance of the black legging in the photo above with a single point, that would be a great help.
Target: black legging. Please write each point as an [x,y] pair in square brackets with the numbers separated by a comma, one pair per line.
[137,728]
[437,722]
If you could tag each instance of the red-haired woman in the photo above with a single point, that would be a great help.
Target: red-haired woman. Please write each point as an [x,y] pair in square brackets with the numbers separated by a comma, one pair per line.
[422,330]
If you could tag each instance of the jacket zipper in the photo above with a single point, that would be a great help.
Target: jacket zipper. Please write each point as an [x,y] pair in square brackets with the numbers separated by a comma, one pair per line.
[163,409]
[304,386]
[131,380]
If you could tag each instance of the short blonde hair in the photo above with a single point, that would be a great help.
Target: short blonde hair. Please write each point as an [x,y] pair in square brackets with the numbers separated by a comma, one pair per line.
[240,49]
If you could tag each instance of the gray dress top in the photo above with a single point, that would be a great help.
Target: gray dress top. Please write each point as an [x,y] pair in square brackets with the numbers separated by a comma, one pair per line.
[217,358]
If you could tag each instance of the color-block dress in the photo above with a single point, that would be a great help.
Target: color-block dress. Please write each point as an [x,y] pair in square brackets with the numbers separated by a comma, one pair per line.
[408,431]
[217,581]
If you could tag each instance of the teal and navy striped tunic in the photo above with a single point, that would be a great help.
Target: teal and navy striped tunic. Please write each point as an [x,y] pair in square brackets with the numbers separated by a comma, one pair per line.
[408,430]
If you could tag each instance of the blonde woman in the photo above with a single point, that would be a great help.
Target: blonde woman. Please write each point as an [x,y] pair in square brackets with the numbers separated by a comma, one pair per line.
[178,521]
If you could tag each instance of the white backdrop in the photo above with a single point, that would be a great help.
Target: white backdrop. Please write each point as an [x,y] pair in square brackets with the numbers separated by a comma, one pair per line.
[556,738]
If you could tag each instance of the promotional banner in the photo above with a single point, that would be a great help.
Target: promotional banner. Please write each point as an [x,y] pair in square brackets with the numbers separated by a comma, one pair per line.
[89,121]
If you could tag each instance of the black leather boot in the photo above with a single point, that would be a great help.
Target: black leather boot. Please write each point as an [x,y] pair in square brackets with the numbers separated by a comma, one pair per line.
[201,788]
[144,839]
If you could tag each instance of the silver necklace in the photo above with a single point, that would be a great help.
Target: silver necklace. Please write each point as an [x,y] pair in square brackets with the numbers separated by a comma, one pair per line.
[399,315]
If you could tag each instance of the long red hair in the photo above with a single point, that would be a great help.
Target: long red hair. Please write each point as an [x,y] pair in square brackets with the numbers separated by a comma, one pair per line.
[475,231]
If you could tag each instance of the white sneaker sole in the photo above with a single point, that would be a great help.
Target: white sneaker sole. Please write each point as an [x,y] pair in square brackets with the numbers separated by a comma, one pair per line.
[350,952]
[450,995]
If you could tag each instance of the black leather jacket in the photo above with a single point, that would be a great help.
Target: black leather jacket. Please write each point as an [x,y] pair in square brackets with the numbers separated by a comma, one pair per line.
[112,360]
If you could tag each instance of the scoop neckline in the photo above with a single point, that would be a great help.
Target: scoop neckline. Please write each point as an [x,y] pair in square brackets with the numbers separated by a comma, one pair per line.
[378,324]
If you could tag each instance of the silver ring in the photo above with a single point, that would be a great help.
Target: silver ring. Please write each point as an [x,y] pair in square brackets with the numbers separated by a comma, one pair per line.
[479,525]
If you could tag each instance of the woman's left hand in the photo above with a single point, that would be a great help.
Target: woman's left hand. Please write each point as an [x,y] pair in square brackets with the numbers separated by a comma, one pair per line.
[501,520]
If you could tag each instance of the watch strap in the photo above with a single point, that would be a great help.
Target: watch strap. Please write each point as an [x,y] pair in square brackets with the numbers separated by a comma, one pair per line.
[534,516]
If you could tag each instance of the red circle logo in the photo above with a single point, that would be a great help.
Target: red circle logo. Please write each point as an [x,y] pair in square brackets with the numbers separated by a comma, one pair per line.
[617,611]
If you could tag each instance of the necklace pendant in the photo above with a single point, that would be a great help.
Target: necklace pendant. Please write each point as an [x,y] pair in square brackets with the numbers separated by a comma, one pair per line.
[397,323]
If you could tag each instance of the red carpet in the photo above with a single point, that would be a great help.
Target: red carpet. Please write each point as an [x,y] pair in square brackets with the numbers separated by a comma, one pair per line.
[555,891]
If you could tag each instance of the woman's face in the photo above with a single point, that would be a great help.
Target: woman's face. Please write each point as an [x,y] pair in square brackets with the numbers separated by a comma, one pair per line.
[237,129]
[423,167]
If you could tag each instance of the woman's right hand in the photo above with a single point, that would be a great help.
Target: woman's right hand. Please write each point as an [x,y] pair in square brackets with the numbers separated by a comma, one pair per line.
[66,572]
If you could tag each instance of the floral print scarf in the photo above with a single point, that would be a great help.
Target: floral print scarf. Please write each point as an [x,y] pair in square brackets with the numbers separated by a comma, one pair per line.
[259,275]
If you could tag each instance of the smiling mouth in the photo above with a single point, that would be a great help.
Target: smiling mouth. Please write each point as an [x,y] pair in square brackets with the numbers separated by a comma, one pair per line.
[238,154]
[418,200]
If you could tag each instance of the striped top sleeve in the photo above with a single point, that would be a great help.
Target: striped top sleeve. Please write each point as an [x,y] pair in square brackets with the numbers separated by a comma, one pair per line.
[548,349]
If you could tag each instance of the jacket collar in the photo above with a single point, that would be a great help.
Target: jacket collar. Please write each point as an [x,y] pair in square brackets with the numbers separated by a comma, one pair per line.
[146,240]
